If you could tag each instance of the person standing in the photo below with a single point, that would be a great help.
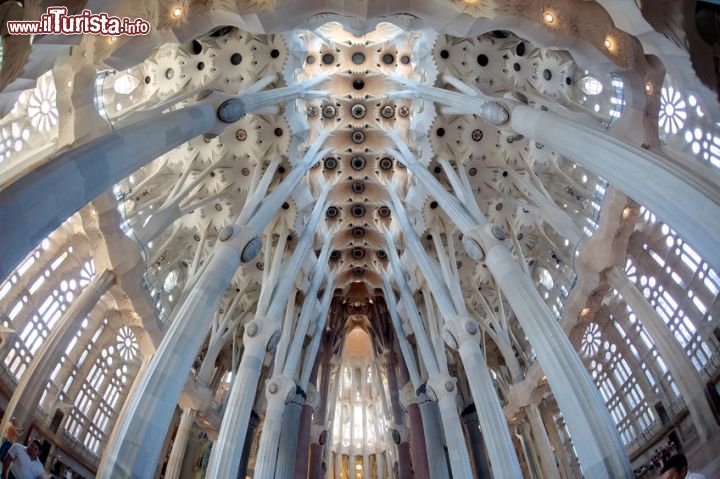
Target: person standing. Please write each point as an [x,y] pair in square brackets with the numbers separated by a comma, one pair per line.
[11,436]
[23,462]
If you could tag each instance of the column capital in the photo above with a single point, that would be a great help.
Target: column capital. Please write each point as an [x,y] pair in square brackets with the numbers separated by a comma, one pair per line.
[195,395]
[281,387]
[244,239]
[318,434]
[441,385]
[400,433]
[459,329]
[262,330]
[408,396]
[312,397]
[479,239]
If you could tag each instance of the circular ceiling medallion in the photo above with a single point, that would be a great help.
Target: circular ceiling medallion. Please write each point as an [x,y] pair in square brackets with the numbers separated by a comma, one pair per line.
[357,111]
[329,111]
[357,162]
[358,136]
[358,210]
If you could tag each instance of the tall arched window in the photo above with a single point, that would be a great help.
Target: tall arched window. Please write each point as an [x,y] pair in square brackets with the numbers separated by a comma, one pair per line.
[611,370]
[679,284]
[39,291]
[98,397]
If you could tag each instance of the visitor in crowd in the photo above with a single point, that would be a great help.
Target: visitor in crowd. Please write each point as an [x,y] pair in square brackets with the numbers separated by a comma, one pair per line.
[23,462]
[676,467]
[11,436]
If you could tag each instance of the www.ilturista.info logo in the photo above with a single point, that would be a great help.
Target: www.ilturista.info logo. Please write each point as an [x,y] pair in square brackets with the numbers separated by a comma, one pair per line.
[57,22]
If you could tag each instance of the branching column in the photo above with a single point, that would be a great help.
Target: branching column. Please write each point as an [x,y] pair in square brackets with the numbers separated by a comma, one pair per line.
[462,335]
[261,335]
[443,389]
[279,391]
[136,441]
[596,439]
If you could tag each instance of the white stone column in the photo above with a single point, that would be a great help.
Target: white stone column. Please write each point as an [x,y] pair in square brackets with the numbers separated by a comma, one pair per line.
[146,416]
[542,443]
[32,384]
[278,392]
[688,202]
[596,439]
[688,381]
[463,335]
[443,389]
[598,443]
[261,335]
[177,454]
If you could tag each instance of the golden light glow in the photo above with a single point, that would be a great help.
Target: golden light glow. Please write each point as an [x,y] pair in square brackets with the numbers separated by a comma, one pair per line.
[626,213]
[113,39]
[648,87]
[585,312]
[549,17]
[177,11]
[609,43]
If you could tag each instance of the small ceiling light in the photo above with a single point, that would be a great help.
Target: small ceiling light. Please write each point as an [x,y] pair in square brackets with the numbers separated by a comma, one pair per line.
[648,87]
[113,39]
[177,11]
[626,213]
[609,43]
[549,18]
[585,312]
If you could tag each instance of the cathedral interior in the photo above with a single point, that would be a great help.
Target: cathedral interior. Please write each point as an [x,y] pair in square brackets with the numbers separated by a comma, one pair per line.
[363,239]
